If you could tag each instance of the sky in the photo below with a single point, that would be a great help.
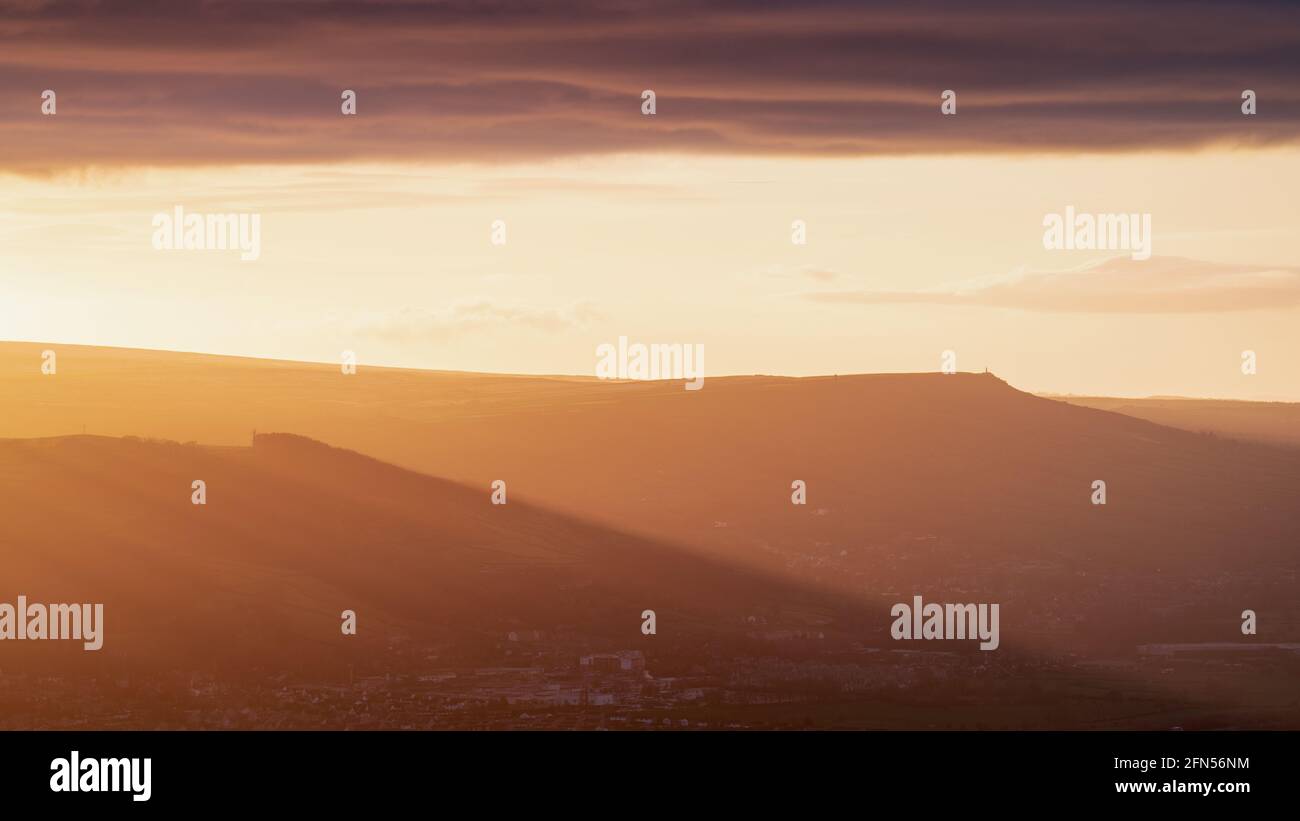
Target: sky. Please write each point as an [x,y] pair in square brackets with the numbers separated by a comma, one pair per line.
[924,231]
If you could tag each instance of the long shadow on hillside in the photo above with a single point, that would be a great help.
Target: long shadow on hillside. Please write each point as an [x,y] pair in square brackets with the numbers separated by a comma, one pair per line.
[294,532]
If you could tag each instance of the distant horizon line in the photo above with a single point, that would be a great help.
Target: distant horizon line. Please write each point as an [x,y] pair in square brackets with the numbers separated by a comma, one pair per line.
[593,378]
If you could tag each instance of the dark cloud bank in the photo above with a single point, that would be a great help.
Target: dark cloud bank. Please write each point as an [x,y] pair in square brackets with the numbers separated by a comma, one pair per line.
[202,83]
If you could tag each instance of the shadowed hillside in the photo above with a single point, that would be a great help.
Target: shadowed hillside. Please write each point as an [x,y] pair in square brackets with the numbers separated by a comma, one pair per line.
[916,482]
[625,496]
[294,532]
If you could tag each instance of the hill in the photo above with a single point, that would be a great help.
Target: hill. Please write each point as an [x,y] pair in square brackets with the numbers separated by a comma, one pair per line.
[1272,422]
[625,496]
[294,532]
[915,482]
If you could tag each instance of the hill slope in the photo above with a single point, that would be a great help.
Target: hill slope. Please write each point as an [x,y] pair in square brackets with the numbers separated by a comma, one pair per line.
[1273,422]
[626,496]
[939,484]
[295,532]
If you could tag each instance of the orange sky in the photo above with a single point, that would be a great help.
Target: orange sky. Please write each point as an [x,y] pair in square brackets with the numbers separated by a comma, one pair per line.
[925,233]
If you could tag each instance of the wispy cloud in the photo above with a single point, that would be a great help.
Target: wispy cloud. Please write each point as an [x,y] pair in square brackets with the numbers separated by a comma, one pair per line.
[814,273]
[469,316]
[1118,285]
